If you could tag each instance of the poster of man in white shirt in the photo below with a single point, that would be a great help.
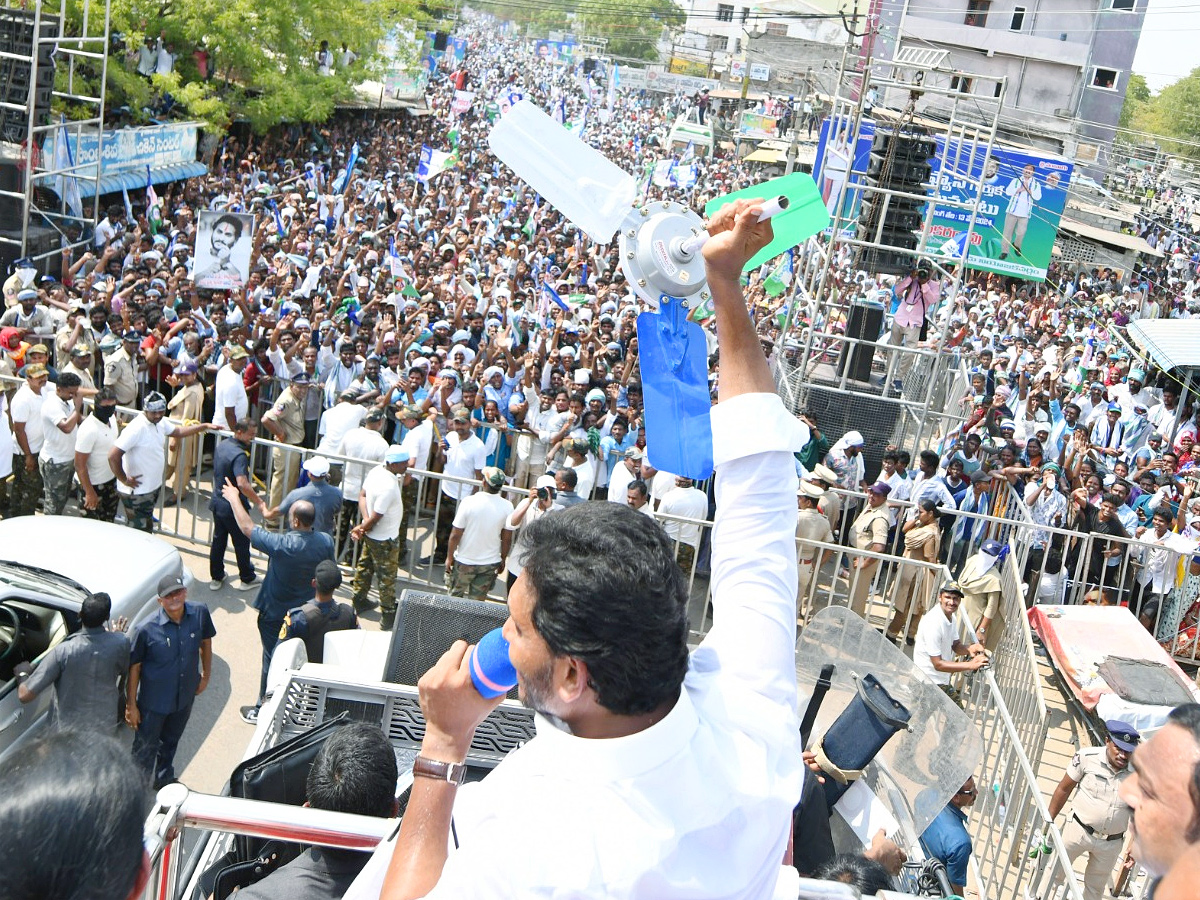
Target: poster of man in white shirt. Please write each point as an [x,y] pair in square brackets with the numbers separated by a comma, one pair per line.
[1024,193]
[223,246]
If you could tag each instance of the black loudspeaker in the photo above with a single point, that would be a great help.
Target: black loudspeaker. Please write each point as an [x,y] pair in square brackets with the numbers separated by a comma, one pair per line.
[427,624]
[40,241]
[589,66]
[866,324]
[18,76]
[440,39]
[899,161]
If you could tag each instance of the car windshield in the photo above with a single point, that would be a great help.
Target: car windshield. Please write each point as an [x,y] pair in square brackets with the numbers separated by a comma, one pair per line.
[33,580]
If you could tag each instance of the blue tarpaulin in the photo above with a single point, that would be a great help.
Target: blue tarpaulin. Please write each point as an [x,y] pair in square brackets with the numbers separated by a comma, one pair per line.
[130,179]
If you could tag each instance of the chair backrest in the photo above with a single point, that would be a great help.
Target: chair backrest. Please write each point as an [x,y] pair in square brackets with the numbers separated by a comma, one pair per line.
[427,624]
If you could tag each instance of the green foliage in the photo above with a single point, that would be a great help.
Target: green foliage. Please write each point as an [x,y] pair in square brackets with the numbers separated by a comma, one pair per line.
[262,54]
[632,27]
[1137,95]
[1172,113]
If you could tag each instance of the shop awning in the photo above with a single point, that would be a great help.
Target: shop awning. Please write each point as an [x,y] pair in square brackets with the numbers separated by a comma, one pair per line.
[763,155]
[133,179]
[1171,343]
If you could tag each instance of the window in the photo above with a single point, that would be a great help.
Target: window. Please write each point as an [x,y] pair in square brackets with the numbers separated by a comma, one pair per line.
[1104,79]
[960,84]
[1123,5]
[777,28]
[977,12]
[724,12]
[1018,19]
[999,88]
[737,45]
[745,13]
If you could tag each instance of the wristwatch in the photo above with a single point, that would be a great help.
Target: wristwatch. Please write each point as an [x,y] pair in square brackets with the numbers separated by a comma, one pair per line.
[453,773]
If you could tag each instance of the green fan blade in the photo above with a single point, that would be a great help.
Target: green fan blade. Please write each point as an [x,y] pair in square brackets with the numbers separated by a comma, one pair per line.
[805,216]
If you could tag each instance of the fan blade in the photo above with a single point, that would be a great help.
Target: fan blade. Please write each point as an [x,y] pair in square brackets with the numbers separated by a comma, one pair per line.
[578,181]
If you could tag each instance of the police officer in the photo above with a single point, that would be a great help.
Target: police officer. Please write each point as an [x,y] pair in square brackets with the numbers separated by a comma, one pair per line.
[869,532]
[831,503]
[316,618]
[1098,816]
[810,526]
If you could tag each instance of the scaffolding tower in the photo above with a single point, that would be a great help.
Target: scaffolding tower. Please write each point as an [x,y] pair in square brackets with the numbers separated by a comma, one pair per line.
[49,52]
[885,94]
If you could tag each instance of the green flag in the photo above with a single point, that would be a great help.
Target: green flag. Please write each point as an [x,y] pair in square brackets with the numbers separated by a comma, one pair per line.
[410,290]
[775,285]
[452,137]
[528,227]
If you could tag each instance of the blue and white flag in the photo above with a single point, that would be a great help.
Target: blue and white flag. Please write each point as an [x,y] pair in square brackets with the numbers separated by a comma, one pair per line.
[551,295]
[68,185]
[614,82]
[343,182]
[433,163]
[689,153]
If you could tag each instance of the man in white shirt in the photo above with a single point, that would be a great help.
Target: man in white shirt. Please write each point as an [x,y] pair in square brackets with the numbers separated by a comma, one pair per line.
[627,470]
[418,439]
[338,421]
[686,501]
[62,411]
[1024,193]
[651,774]
[139,456]
[637,496]
[28,435]
[94,439]
[479,540]
[938,644]
[541,500]
[463,456]
[230,403]
[382,511]
[366,443]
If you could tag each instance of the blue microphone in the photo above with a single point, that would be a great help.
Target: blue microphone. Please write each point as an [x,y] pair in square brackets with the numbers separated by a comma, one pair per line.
[492,671]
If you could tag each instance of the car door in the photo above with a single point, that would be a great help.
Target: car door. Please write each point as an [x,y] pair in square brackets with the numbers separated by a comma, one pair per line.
[20,722]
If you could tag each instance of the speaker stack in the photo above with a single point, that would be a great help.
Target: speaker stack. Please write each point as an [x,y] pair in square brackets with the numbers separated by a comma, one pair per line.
[900,161]
[16,75]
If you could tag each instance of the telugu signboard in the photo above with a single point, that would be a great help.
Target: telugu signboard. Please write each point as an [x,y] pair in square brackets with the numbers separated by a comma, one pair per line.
[760,72]
[669,83]
[132,148]
[1022,203]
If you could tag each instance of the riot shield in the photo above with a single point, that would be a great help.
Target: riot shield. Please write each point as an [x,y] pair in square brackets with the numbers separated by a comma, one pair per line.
[917,772]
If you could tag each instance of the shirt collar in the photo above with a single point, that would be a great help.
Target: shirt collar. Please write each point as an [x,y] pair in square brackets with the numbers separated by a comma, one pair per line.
[623,757]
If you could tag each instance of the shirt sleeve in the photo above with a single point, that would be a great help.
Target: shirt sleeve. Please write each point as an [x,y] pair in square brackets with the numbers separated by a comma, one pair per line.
[956,861]
[137,650]
[47,671]
[207,629]
[754,547]
[266,541]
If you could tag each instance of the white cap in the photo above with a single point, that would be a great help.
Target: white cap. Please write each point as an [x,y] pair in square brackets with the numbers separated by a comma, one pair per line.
[317,466]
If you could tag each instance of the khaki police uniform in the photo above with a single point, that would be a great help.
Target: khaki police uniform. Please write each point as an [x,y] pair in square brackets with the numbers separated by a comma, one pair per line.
[288,414]
[120,374]
[810,526]
[871,527]
[312,621]
[831,506]
[1098,818]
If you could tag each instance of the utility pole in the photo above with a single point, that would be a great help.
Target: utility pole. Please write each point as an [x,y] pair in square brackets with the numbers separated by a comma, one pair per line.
[794,146]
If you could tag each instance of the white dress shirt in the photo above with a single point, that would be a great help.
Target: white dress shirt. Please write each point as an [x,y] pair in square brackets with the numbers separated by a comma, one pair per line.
[699,804]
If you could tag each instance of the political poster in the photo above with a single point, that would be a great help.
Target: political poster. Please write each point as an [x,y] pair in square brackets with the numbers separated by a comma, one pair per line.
[835,160]
[555,51]
[1023,198]
[223,247]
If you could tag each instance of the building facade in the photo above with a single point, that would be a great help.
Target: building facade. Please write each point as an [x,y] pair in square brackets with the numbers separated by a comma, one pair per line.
[1067,63]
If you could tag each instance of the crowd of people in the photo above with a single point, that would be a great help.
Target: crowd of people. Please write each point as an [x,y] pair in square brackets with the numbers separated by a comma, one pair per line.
[397,326]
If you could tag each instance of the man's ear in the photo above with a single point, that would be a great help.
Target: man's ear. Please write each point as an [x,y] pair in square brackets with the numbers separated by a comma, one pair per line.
[572,678]
[143,877]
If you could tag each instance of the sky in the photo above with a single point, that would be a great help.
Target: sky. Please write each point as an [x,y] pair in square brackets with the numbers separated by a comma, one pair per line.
[1170,44]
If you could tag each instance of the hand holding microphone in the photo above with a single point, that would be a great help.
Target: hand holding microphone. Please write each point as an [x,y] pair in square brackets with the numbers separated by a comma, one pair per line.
[459,691]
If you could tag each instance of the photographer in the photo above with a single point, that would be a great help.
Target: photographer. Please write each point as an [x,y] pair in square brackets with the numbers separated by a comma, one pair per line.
[918,294]
[541,500]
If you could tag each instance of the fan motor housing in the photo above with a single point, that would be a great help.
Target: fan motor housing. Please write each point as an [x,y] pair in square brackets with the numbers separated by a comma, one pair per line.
[653,256]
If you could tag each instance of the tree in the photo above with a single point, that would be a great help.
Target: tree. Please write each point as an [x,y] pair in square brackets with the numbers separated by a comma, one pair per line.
[1173,113]
[261,54]
[631,27]
[1137,95]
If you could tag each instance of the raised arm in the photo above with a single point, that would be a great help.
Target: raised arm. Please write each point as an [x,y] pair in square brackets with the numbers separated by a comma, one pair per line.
[754,554]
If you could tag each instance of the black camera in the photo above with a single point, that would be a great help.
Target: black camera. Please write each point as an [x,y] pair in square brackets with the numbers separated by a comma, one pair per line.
[545,493]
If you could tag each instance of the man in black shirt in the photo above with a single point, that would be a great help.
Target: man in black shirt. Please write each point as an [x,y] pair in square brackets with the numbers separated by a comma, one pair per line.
[354,772]
[1104,560]
[316,618]
[231,464]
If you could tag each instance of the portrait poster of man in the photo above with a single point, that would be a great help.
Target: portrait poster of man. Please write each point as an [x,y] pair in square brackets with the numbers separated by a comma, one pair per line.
[223,246]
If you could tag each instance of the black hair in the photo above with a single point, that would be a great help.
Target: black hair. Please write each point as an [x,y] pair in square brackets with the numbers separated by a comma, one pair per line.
[1110,497]
[929,506]
[609,593]
[104,395]
[233,222]
[95,610]
[1187,717]
[354,772]
[328,576]
[68,380]
[891,456]
[929,458]
[866,876]
[569,477]
[639,486]
[75,793]
[903,457]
